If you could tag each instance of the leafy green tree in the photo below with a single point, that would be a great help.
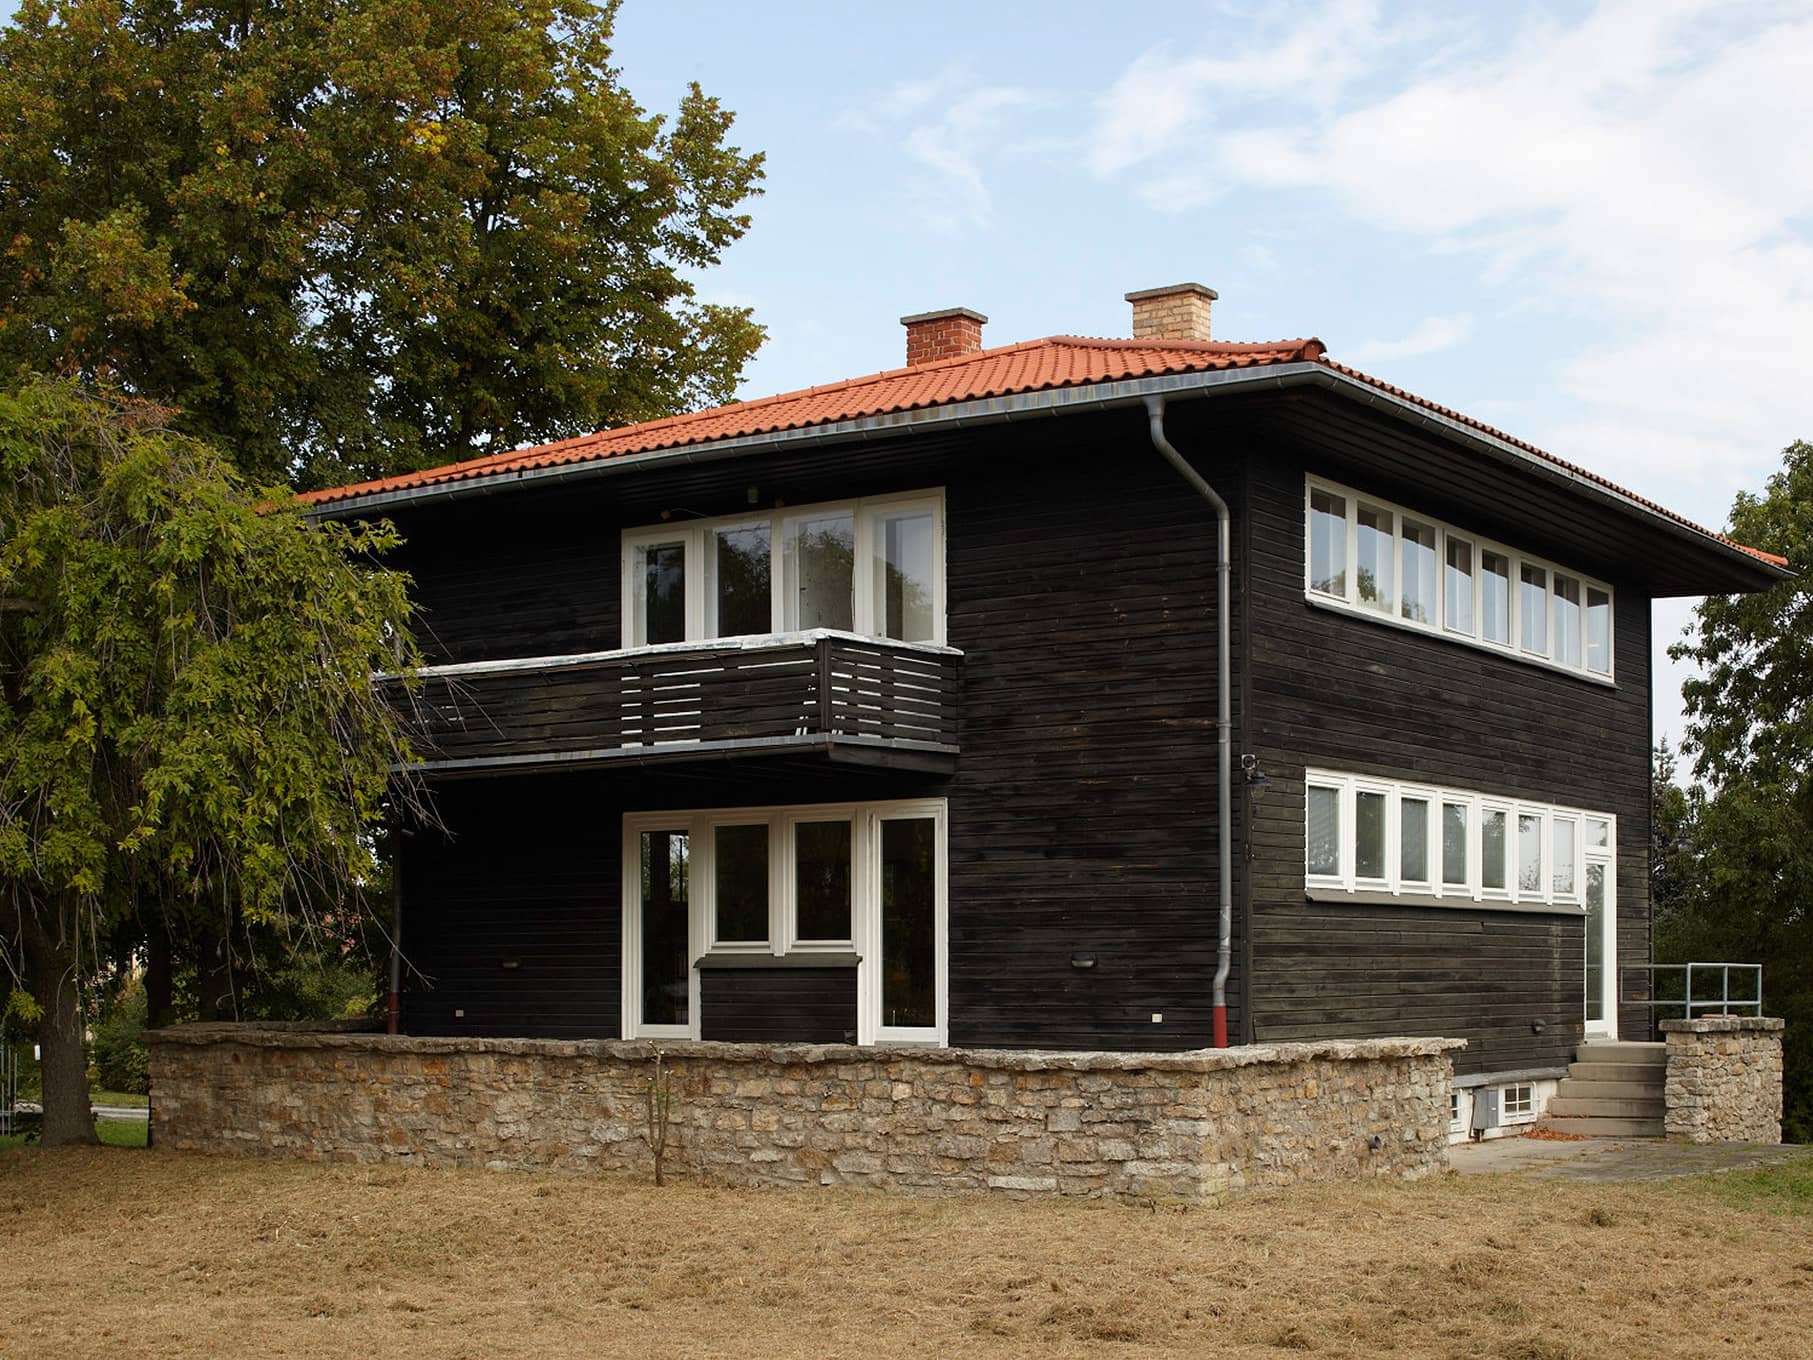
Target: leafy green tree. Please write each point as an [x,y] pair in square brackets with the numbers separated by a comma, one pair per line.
[347,238]
[190,727]
[1747,883]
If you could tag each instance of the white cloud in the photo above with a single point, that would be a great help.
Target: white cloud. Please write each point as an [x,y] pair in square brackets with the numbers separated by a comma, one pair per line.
[1161,97]
[1628,174]
[948,126]
[1431,335]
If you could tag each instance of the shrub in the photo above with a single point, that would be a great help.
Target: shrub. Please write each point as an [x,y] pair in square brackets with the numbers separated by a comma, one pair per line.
[118,1050]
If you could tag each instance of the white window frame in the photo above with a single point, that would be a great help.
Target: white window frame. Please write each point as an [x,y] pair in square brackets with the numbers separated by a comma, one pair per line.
[1347,785]
[865,906]
[635,630]
[1507,1097]
[1349,601]
[696,533]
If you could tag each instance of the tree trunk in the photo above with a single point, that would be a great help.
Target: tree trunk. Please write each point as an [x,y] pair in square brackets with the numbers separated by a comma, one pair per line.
[214,978]
[68,1119]
[159,1006]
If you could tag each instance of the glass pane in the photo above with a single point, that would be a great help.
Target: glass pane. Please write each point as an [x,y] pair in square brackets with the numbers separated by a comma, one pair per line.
[1561,858]
[740,875]
[741,590]
[909,904]
[1492,848]
[903,576]
[1598,631]
[1454,844]
[1595,942]
[663,592]
[1567,620]
[1457,586]
[1532,622]
[1598,833]
[821,880]
[666,966]
[1375,557]
[1369,835]
[1328,543]
[1419,572]
[1413,840]
[1529,856]
[821,557]
[1324,854]
[1495,597]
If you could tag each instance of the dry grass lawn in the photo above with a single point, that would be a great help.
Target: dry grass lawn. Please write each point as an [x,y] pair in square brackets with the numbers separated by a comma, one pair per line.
[120,1252]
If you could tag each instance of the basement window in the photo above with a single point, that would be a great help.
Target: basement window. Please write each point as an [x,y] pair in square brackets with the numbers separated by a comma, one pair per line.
[1394,565]
[874,567]
[1518,1104]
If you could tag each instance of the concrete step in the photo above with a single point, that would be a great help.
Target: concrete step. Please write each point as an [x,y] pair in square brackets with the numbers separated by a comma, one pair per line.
[1646,1073]
[1574,1088]
[1601,1107]
[1598,1127]
[1605,1050]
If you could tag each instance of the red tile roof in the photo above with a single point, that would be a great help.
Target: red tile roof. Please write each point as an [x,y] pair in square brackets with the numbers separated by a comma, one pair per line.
[1058,361]
[1032,366]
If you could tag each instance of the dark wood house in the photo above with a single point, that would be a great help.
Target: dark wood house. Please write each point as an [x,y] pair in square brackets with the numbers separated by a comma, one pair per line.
[886,712]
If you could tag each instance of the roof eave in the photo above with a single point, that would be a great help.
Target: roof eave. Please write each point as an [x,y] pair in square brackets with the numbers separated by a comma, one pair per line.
[1086,397]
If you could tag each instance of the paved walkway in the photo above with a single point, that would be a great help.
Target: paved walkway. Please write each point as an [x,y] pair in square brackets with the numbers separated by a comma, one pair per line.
[1613,1159]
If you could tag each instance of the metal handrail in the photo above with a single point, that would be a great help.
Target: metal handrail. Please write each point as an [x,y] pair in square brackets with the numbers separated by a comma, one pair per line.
[1689,1001]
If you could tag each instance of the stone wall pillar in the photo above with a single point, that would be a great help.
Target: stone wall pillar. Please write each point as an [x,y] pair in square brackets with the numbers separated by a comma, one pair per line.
[1724,1079]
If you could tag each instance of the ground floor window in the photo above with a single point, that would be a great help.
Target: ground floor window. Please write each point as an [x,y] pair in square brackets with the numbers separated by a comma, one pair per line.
[1371,835]
[862,879]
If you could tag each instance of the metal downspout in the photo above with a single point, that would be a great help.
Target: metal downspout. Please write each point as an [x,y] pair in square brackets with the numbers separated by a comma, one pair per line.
[1224,795]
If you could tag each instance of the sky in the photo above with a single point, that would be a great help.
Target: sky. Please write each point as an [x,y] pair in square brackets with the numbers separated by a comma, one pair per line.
[1588,224]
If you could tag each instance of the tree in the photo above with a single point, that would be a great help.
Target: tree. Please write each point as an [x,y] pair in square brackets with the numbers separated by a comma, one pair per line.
[190,723]
[346,238]
[1747,889]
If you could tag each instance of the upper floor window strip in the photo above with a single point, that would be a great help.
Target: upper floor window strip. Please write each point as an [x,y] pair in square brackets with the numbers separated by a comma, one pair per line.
[872,566]
[1383,561]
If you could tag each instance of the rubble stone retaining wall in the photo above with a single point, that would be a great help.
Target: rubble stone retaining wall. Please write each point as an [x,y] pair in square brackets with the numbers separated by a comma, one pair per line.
[1724,1079]
[1188,1126]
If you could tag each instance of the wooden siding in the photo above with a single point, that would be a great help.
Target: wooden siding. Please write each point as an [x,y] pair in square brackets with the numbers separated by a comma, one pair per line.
[1082,809]
[1348,694]
[778,1005]
[524,873]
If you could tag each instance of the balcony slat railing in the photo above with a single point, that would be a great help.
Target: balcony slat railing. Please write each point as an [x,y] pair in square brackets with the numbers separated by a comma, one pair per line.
[812,689]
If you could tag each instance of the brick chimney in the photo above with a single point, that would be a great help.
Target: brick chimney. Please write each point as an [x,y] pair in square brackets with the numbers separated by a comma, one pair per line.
[1180,312]
[942,335]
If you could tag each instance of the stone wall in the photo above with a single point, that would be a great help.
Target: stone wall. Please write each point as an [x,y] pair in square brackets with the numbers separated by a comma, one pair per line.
[1724,1079]
[1190,1126]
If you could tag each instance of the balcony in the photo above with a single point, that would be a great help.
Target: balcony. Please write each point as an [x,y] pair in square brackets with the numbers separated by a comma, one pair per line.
[827,694]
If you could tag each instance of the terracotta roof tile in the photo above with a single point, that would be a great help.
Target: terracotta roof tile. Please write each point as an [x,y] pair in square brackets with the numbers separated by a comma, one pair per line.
[1058,361]
[1032,366]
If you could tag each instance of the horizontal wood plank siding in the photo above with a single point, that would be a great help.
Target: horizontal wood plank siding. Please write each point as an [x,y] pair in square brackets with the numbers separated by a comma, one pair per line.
[523,872]
[1347,694]
[1082,809]
[778,1005]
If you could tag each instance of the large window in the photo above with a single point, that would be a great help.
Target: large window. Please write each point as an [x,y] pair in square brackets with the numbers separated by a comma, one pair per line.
[1378,835]
[1385,562]
[874,567]
[831,880]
